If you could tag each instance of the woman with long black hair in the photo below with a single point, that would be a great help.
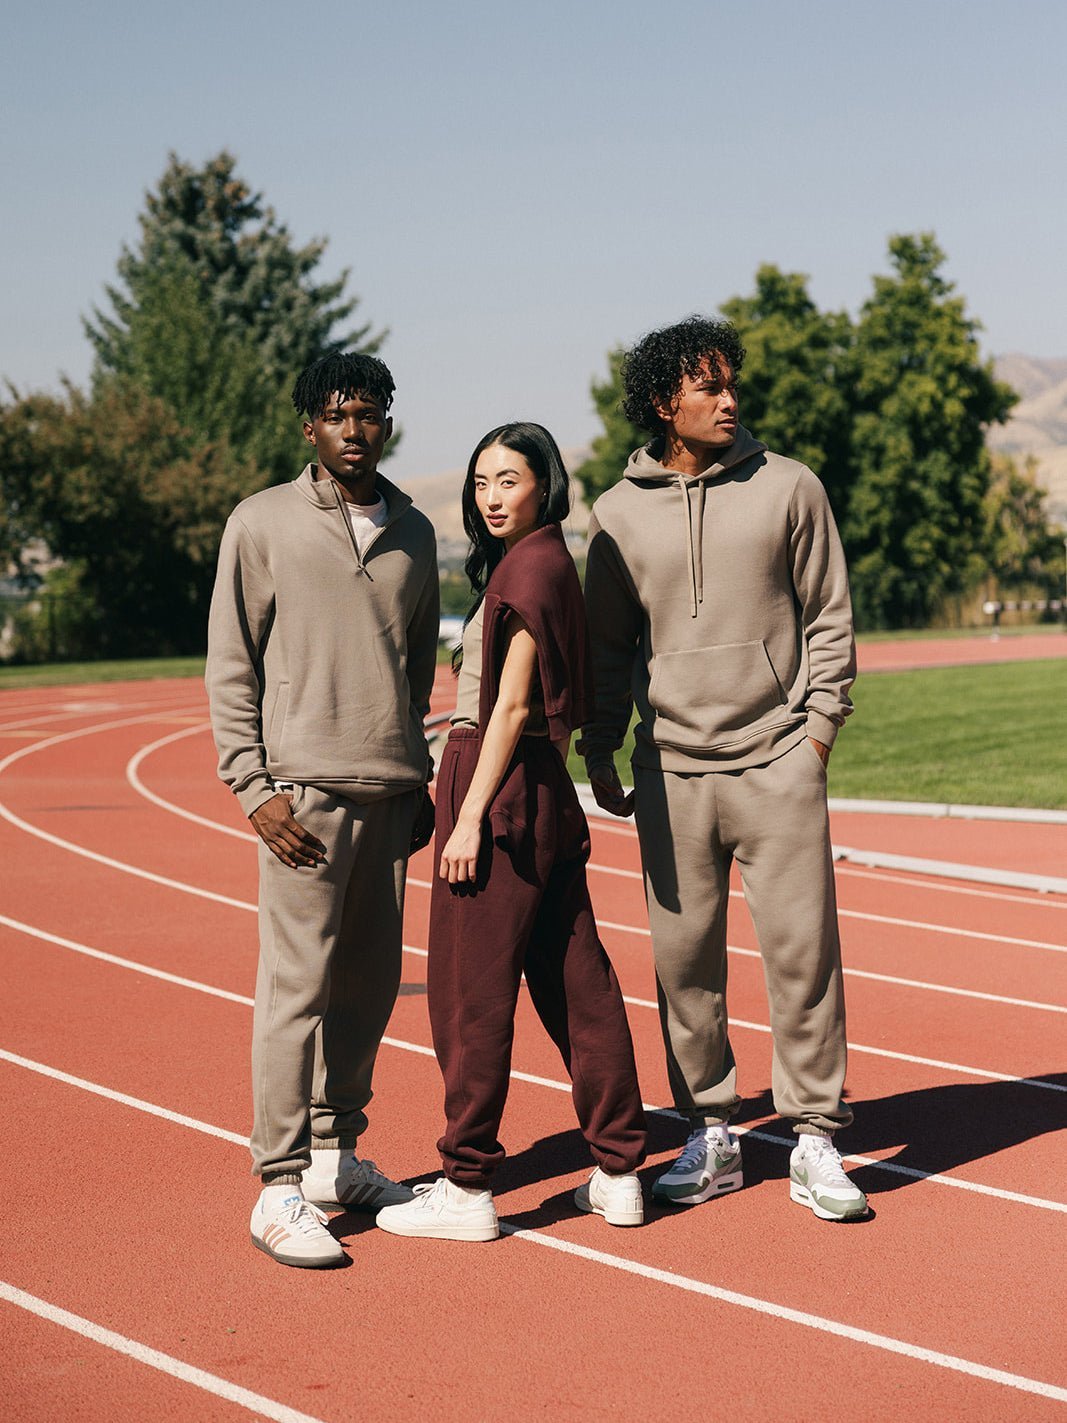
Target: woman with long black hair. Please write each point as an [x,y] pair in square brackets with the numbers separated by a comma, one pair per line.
[509,893]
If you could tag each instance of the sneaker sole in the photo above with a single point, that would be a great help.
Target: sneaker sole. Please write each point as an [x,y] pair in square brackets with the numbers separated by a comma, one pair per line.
[720,1186]
[299,1262]
[803,1197]
[582,1201]
[441,1232]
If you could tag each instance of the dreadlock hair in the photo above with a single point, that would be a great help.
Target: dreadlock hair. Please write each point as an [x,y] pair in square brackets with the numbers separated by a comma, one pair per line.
[541,453]
[346,372]
[652,372]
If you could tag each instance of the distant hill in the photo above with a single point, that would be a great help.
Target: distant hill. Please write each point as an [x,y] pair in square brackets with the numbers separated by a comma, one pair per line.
[1038,424]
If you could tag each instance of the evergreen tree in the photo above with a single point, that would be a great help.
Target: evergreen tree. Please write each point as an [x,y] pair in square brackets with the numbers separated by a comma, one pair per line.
[1024,551]
[245,261]
[923,399]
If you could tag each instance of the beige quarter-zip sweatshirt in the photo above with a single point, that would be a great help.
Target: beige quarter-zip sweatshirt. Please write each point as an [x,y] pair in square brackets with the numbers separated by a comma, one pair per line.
[718,604]
[321,661]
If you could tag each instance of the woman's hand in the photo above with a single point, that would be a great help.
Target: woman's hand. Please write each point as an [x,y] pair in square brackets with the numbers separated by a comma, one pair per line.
[459,858]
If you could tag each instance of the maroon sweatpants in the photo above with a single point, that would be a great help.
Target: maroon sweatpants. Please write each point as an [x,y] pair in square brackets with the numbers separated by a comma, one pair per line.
[528,911]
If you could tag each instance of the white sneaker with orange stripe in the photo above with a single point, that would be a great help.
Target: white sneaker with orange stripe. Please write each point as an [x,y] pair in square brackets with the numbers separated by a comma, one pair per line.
[292,1230]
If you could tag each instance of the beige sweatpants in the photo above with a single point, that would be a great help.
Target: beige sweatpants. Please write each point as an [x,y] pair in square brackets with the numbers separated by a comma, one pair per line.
[773,821]
[329,970]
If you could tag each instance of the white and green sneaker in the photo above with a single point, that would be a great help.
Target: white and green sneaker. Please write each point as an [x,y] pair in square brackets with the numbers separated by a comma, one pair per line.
[710,1165]
[817,1180]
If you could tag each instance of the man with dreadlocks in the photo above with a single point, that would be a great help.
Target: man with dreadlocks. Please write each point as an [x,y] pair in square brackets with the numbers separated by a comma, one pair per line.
[718,603]
[322,646]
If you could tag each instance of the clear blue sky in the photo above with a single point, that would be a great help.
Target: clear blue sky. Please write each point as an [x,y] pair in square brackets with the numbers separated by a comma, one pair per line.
[516,188]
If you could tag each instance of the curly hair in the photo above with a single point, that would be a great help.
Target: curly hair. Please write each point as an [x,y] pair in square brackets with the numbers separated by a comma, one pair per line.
[652,372]
[346,372]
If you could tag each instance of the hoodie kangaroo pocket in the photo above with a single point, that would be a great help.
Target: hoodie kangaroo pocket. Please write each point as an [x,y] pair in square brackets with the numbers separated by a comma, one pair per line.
[708,695]
[275,723]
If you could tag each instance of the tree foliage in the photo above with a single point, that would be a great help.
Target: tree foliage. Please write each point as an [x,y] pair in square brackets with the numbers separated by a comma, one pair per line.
[122,492]
[611,448]
[214,313]
[797,375]
[246,264]
[920,471]
[1025,553]
[890,411]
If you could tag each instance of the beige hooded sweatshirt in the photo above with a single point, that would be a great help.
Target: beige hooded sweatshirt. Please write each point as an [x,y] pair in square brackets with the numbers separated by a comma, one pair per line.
[718,604]
[321,663]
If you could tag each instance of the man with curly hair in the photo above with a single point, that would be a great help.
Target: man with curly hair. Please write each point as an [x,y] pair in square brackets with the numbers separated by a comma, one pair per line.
[718,605]
[322,648]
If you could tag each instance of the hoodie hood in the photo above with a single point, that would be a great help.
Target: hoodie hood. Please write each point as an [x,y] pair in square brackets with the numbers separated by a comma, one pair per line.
[644,468]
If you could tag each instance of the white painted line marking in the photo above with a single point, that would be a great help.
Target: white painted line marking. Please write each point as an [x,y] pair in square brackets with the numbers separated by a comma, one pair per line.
[684,1282]
[912,1172]
[1042,901]
[876,977]
[123,1098]
[794,1316]
[153,1358]
[878,918]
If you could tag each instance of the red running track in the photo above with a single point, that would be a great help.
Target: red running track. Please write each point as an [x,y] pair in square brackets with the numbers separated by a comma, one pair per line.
[911,654]
[123,1047]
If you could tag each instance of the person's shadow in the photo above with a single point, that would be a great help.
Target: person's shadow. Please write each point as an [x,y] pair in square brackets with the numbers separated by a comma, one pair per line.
[935,1129]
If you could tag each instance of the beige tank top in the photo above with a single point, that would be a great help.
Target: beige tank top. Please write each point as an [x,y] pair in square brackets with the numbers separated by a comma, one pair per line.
[468,690]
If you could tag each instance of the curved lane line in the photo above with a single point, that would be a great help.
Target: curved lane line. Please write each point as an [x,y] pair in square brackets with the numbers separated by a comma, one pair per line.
[669,1277]
[182,887]
[912,1172]
[133,776]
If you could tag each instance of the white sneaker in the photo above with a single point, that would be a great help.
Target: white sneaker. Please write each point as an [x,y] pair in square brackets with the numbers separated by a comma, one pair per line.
[338,1178]
[292,1230]
[817,1180]
[616,1198]
[709,1165]
[443,1210]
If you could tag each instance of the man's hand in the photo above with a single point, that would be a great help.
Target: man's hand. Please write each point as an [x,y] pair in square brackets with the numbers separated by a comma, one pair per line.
[823,752]
[284,836]
[608,792]
[422,829]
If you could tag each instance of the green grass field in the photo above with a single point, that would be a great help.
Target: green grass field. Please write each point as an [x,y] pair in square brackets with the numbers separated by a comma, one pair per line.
[994,735]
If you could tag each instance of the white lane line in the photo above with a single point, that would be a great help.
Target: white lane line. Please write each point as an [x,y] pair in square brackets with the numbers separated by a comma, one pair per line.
[133,768]
[1042,901]
[667,1277]
[123,1098]
[875,977]
[143,1354]
[912,1172]
[878,918]
[185,888]
[795,1316]
[182,887]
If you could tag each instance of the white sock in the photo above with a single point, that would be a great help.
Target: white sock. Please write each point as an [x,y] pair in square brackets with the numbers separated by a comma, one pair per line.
[273,1196]
[330,1158]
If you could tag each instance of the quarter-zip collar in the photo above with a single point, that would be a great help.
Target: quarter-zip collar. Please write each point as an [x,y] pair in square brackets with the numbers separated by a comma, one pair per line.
[644,468]
[325,495]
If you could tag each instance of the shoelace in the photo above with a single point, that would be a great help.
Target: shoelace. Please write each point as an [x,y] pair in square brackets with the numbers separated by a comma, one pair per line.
[431,1193]
[370,1170]
[828,1159]
[305,1217]
[692,1152]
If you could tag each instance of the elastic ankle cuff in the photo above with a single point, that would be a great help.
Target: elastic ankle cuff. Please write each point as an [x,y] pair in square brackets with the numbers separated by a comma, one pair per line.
[287,1178]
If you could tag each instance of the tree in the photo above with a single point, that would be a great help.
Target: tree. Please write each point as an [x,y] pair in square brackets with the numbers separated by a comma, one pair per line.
[923,399]
[797,376]
[619,439]
[1024,551]
[262,286]
[134,504]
